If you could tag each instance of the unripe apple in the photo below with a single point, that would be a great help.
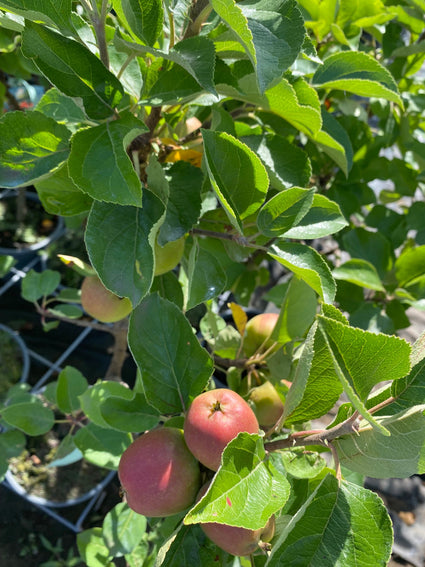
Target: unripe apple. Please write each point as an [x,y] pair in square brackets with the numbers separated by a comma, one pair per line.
[258,331]
[213,420]
[101,303]
[234,540]
[267,405]
[168,256]
[158,473]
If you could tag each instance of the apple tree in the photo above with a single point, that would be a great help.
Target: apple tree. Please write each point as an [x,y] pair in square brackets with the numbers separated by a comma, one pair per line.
[222,155]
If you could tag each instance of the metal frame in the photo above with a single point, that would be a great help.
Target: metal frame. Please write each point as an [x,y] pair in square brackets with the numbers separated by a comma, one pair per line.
[51,367]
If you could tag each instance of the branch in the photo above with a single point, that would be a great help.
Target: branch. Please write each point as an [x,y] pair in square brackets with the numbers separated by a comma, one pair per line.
[241,240]
[323,438]
[199,12]
[47,314]
[98,21]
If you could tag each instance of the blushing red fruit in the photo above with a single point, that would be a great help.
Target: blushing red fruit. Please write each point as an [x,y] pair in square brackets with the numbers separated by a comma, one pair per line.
[234,540]
[213,420]
[268,406]
[101,303]
[158,473]
[168,256]
[258,331]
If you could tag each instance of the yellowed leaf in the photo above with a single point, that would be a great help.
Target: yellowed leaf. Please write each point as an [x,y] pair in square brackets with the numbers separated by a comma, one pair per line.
[239,317]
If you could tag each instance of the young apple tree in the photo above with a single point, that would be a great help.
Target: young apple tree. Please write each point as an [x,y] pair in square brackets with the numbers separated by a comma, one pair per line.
[222,155]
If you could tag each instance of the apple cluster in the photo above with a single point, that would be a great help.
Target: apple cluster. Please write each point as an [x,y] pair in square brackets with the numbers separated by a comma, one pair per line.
[160,471]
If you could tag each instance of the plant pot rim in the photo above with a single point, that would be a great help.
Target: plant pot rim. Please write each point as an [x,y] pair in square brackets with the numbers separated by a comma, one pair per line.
[24,350]
[33,248]
[40,501]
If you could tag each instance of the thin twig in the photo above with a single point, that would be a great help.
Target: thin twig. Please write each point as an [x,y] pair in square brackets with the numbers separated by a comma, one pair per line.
[99,21]
[323,437]
[48,314]
[199,12]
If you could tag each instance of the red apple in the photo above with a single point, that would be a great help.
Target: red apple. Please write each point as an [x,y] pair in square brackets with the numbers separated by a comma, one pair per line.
[213,420]
[158,473]
[101,303]
[168,256]
[257,333]
[234,540]
[267,405]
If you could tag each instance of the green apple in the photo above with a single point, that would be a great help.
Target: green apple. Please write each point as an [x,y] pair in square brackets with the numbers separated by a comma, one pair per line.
[257,333]
[168,256]
[213,420]
[267,405]
[159,475]
[101,303]
[234,540]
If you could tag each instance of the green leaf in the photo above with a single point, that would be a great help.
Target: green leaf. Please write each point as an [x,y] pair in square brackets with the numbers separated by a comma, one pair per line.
[112,229]
[184,201]
[409,266]
[338,526]
[187,545]
[287,165]
[284,210]
[66,453]
[246,490]
[296,102]
[323,218]
[315,387]
[130,415]
[99,165]
[195,54]
[145,19]
[173,86]
[363,359]
[167,354]
[297,312]
[308,265]
[12,443]
[73,69]
[236,174]
[370,246]
[232,14]
[71,384]
[358,73]
[33,418]
[102,447]
[6,263]
[122,529]
[334,140]
[36,285]
[278,32]
[60,196]
[400,455]
[60,107]
[302,464]
[207,278]
[359,272]
[49,12]
[130,73]
[91,400]
[168,287]
[66,310]
[409,390]
[32,145]
[93,549]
